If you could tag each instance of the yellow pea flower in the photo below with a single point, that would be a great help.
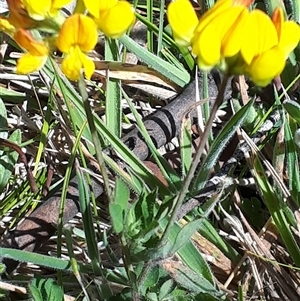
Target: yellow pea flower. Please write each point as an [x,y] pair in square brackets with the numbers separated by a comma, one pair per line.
[220,7]
[115,21]
[219,39]
[235,40]
[77,36]
[259,36]
[275,40]
[183,21]
[42,9]
[266,66]
[218,34]
[214,36]
[37,52]
[113,17]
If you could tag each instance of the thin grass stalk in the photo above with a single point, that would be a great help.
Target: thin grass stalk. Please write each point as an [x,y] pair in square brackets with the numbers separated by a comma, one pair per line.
[95,138]
[161,26]
[149,32]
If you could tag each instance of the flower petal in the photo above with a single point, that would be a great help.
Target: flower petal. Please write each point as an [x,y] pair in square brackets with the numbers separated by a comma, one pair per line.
[28,63]
[266,66]
[211,14]
[116,20]
[183,21]
[74,62]
[78,30]
[207,46]
[290,36]
[217,39]
[259,35]
[232,42]
[26,41]
[41,9]
[37,10]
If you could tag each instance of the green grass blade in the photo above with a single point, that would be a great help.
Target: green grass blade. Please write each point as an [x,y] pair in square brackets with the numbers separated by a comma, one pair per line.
[292,161]
[275,208]
[113,109]
[150,36]
[87,219]
[181,78]
[42,260]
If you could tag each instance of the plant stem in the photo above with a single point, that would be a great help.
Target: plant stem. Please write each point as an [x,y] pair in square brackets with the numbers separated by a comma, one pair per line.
[181,196]
[95,137]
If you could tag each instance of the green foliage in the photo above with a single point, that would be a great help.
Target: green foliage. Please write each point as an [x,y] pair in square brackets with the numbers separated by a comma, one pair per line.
[45,290]
[143,251]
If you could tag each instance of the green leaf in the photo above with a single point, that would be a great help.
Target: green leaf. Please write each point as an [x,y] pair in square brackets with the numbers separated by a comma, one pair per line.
[35,293]
[121,194]
[186,146]
[87,218]
[151,279]
[45,289]
[116,214]
[185,234]
[113,108]
[152,296]
[293,108]
[193,281]
[190,255]
[118,207]
[292,161]
[11,96]
[165,289]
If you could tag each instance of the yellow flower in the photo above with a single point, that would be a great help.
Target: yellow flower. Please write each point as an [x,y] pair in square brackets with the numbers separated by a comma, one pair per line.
[183,21]
[113,17]
[77,36]
[218,34]
[115,21]
[275,40]
[42,9]
[37,52]
[235,40]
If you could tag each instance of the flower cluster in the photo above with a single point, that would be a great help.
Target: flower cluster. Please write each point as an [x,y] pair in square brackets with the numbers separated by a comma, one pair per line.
[73,36]
[235,39]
